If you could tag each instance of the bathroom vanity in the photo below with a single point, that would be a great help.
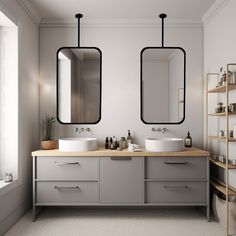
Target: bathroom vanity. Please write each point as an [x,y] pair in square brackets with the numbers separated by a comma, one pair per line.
[120,178]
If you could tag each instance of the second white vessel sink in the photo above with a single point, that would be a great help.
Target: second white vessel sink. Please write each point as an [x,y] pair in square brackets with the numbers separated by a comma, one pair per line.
[77,144]
[164,144]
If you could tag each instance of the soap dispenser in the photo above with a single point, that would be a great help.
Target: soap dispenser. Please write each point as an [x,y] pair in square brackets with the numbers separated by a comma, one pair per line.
[188,140]
[129,139]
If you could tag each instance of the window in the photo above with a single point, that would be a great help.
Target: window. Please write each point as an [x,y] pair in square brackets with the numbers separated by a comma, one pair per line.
[8,97]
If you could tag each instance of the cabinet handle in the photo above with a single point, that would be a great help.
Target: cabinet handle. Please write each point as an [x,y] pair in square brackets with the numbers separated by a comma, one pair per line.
[65,163]
[176,163]
[121,158]
[175,187]
[67,188]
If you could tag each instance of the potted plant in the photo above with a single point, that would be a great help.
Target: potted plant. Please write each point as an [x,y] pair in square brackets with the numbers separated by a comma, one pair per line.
[47,132]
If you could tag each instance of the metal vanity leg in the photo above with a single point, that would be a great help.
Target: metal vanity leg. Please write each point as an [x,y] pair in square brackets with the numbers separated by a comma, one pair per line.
[34,197]
[208,190]
[33,214]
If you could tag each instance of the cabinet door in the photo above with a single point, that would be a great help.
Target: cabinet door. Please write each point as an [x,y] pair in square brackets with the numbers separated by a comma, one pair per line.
[121,180]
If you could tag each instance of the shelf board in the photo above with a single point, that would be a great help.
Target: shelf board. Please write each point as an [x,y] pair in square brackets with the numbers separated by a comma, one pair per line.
[222,114]
[222,88]
[220,186]
[222,165]
[221,138]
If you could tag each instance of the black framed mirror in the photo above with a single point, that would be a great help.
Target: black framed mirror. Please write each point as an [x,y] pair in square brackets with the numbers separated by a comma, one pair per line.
[79,83]
[163,83]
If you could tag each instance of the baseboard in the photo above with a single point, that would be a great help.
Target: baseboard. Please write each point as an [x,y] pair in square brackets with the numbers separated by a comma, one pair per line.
[11,219]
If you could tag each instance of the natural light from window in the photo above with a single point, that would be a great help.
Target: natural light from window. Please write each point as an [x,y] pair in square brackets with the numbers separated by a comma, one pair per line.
[8,98]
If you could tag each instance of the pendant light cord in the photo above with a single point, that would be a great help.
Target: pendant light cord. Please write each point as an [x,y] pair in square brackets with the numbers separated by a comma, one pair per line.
[162,16]
[78,16]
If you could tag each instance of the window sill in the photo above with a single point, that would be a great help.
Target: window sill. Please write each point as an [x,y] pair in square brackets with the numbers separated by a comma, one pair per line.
[6,187]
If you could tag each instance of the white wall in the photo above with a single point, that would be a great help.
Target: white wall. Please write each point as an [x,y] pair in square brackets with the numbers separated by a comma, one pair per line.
[121,49]
[220,49]
[16,202]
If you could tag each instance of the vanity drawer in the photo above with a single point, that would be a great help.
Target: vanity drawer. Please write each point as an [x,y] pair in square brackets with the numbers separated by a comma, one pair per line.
[176,192]
[176,167]
[67,168]
[67,192]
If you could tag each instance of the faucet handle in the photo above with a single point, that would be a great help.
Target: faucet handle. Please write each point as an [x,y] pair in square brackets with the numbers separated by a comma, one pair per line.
[164,130]
[88,129]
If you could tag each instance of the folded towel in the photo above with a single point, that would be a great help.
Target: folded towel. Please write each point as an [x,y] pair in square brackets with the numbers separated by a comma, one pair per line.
[134,148]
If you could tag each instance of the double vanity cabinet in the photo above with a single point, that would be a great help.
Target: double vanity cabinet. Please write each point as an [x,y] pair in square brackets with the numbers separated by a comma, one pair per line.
[120,178]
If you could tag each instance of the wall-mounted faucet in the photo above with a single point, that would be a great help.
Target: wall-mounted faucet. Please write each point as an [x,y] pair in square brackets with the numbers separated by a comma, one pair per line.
[163,130]
[82,129]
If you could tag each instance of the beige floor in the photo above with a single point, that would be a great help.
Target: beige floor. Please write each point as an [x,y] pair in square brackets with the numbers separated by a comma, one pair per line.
[117,222]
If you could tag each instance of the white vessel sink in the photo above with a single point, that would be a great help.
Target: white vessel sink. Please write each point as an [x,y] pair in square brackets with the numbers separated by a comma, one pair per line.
[77,144]
[164,144]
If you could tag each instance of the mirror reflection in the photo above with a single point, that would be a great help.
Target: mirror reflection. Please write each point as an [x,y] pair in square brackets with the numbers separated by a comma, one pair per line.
[162,85]
[79,85]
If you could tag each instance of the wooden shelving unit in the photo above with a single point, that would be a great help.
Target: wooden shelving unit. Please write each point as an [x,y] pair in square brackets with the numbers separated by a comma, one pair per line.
[216,183]
[222,164]
[222,88]
[222,114]
[221,138]
[220,186]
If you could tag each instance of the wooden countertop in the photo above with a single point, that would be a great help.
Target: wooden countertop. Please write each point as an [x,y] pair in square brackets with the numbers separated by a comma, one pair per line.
[107,152]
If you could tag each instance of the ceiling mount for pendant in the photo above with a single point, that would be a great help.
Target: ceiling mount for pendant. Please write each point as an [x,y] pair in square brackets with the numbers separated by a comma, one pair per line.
[162,16]
[78,16]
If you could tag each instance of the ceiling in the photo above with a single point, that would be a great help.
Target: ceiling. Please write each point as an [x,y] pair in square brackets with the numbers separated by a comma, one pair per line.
[102,9]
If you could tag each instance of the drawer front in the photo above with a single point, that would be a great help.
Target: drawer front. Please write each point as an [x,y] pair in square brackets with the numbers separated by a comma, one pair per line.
[67,168]
[66,192]
[121,180]
[176,192]
[176,167]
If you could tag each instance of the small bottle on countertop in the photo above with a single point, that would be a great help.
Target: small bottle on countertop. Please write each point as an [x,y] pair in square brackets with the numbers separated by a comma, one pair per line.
[110,143]
[188,140]
[129,139]
[106,143]
[116,143]
[113,143]
[122,143]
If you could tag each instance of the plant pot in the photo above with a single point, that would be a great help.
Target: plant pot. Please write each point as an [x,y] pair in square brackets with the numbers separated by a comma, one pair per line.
[49,144]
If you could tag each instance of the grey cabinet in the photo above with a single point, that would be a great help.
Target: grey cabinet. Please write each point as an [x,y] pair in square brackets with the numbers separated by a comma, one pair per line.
[177,181]
[121,180]
[142,181]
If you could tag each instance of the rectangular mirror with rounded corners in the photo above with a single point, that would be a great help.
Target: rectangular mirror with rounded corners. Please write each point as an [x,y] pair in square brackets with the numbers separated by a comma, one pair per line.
[163,85]
[79,85]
